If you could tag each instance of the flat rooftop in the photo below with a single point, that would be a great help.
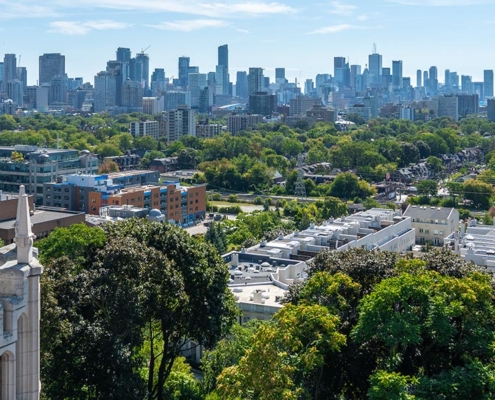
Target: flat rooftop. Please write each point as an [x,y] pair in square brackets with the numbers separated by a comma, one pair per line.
[270,294]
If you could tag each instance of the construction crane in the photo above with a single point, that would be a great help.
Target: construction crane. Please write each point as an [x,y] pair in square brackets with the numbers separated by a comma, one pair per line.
[143,50]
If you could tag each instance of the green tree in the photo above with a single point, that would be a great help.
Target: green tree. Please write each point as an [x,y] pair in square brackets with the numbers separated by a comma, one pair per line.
[287,354]
[149,281]
[478,192]
[346,185]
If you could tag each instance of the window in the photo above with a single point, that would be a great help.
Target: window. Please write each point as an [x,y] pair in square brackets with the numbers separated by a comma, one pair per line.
[420,230]
[93,200]
[67,190]
[66,197]
[427,231]
[196,201]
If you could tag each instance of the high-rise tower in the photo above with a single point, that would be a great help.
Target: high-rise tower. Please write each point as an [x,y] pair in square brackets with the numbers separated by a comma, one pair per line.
[50,66]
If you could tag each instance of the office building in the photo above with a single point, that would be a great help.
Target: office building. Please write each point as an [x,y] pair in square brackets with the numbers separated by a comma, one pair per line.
[223,55]
[375,68]
[241,85]
[145,128]
[361,110]
[176,98]
[355,76]
[255,80]
[418,78]
[397,74]
[158,82]
[262,103]
[51,65]
[180,122]
[124,54]
[197,83]
[39,166]
[222,80]
[342,72]
[280,76]
[488,82]
[183,71]
[309,87]
[76,192]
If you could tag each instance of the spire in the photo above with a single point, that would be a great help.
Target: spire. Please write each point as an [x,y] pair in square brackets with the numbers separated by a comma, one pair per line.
[24,236]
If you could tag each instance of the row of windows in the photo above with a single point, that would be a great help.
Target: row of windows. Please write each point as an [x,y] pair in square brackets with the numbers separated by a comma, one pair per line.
[435,231]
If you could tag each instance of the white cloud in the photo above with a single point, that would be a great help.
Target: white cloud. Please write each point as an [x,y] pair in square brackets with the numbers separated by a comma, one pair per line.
[25,9]
[333,29]
[363,17]
[106,25]
[440,3]
[189,25]
[82,28]
[342,9]
[242,30]
[194,7]
[68,28]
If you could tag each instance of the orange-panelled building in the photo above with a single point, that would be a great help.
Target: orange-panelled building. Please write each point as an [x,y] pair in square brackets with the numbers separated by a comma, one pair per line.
[181,204]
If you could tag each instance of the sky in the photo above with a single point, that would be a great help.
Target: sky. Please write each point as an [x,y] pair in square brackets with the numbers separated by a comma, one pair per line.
[302,36]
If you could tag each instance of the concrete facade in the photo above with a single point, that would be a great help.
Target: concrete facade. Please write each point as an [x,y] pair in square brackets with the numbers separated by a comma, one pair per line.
[433,224]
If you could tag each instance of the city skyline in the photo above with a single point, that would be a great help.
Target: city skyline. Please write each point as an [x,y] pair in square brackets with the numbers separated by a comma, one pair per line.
[302,38]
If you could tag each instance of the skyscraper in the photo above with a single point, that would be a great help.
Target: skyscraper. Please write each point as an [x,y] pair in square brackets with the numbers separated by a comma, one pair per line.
[50,66]
[280,76]
[123,54]
[433,80]
[467,84]
[183,70]
[255,80]
[355,72]
[341,73]
[488,82]
[418,78]
[139,70]
[105,91]
[241,85]
[397,74]
[447,78]
[375,67]
[223,55]
[9,70]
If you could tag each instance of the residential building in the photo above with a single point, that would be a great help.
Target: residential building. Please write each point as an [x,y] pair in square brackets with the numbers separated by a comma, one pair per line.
[241,86]
[260,275]
[132,96]
[397,74]
[448,106]
[488,82]
[145,128]
[205,131]
[180,122]
[236,123]
[432,224]
[474,243]
[490,108]
[153,105]
[255,80]
[361,110]
[301,104]
[467,104]
[105,93]
[183,71]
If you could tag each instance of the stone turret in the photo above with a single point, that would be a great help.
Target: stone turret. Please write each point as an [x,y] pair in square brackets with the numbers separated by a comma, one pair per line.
[24,236]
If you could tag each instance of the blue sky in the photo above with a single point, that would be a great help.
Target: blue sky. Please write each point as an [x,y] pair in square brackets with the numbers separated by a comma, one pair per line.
[302,36]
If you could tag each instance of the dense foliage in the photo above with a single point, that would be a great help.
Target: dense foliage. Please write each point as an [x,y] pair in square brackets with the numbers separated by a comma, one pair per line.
[368,325]
[119,305]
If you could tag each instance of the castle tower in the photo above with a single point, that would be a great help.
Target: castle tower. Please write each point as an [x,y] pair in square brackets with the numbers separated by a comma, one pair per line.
[20,312]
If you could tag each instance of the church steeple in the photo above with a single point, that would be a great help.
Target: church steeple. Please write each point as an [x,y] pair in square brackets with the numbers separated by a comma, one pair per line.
[24,236]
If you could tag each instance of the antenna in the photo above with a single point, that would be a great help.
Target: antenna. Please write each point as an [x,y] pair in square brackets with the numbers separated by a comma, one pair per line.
[374,48]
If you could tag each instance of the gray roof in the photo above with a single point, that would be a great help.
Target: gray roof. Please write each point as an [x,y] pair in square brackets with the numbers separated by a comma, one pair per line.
[428,212]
